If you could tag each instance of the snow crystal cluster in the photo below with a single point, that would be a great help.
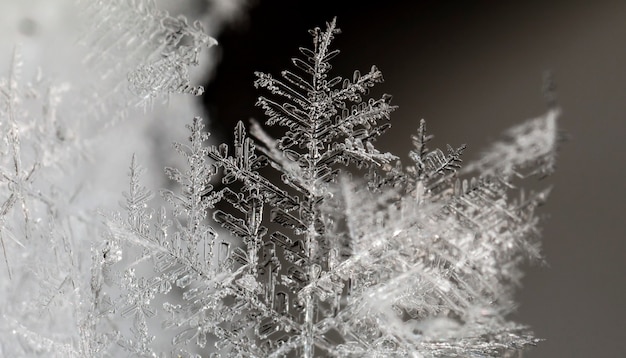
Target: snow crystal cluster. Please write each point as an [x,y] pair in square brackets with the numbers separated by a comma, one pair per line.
[270,247]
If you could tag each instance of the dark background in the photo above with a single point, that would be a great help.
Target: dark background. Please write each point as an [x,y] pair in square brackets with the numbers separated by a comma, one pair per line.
[472,69]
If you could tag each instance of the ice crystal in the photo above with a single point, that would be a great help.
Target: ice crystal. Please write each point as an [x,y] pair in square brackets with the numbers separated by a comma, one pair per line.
[48,298]
[405,262]
[135,40]
[56,272]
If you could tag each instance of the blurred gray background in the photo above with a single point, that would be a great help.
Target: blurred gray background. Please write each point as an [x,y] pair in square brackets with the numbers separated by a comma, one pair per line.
[472,69]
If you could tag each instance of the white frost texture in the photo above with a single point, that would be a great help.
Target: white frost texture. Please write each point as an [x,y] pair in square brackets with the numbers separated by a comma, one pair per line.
[327,246]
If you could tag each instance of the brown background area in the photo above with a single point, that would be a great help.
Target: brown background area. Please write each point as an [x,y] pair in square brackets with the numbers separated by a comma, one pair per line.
[472,69]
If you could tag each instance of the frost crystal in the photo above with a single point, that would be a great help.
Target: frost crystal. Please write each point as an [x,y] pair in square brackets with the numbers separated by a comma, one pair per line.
[134,41]
[55,272]
[406,262]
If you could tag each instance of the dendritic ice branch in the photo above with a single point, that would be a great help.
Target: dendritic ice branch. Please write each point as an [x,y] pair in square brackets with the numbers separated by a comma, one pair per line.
[417,261]
[55,272]
[138,47]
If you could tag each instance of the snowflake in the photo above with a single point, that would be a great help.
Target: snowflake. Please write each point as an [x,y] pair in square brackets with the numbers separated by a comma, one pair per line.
[419,261]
